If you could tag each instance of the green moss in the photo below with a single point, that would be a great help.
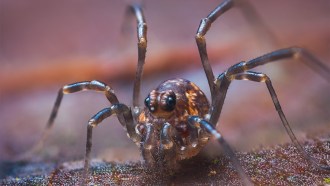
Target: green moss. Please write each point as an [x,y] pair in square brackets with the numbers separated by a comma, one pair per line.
[216,161]
[326,180]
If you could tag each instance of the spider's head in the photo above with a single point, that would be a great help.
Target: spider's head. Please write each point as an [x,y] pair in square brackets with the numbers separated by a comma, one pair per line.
[175,99]
[163,125]
[161,103]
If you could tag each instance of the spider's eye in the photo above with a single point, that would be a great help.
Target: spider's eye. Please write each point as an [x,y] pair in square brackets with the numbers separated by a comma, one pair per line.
[170,102]
[147,102]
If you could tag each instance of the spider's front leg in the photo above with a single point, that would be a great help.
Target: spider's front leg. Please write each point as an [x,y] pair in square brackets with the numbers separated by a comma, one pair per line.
[240,71]
[136,10]
[252,17]
[223,81]
[118,109]
[68,89]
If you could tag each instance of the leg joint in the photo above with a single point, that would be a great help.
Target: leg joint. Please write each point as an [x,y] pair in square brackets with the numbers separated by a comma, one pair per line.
[235,69]
[204,26]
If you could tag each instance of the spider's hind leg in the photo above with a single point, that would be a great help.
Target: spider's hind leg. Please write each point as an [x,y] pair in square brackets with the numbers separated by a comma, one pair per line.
[240,71]
[68,89]
[260,77]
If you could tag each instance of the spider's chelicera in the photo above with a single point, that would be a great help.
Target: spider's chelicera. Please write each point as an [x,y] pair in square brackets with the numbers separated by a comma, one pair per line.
[178,120]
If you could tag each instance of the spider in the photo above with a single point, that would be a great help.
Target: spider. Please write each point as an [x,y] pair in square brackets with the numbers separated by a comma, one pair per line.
[177,119]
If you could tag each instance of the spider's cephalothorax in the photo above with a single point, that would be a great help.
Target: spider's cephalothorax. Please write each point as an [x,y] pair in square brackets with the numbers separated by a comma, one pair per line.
[163,123]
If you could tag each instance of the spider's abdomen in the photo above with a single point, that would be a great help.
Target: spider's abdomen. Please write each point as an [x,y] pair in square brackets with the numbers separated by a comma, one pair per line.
[163,124]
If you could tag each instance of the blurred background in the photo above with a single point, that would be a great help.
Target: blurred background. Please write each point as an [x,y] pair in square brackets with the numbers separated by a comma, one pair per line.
[47,44]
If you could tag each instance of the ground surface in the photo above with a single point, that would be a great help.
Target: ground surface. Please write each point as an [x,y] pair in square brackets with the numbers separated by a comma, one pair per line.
[279,165]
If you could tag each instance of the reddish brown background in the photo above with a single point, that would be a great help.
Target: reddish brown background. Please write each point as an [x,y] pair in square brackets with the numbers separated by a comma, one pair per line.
[44,45]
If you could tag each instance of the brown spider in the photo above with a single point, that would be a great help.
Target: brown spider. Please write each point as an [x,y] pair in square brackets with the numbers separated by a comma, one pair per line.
[178,120]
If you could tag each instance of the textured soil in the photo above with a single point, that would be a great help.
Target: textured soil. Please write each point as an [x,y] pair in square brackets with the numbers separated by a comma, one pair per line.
[278,165]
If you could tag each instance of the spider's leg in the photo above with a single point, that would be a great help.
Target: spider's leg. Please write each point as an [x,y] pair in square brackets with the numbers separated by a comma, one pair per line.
[221,84]
[136,10]
[194,136]
[198,122]
[223,81]
[147,145]
[249,13]
[293,52]
[259,77]
[167,145]
[98,118]
[286,53]
[68,89]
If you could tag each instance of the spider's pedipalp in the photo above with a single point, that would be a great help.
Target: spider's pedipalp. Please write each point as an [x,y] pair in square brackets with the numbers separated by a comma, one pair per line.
[166,136]
[147,147]
[168,146]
